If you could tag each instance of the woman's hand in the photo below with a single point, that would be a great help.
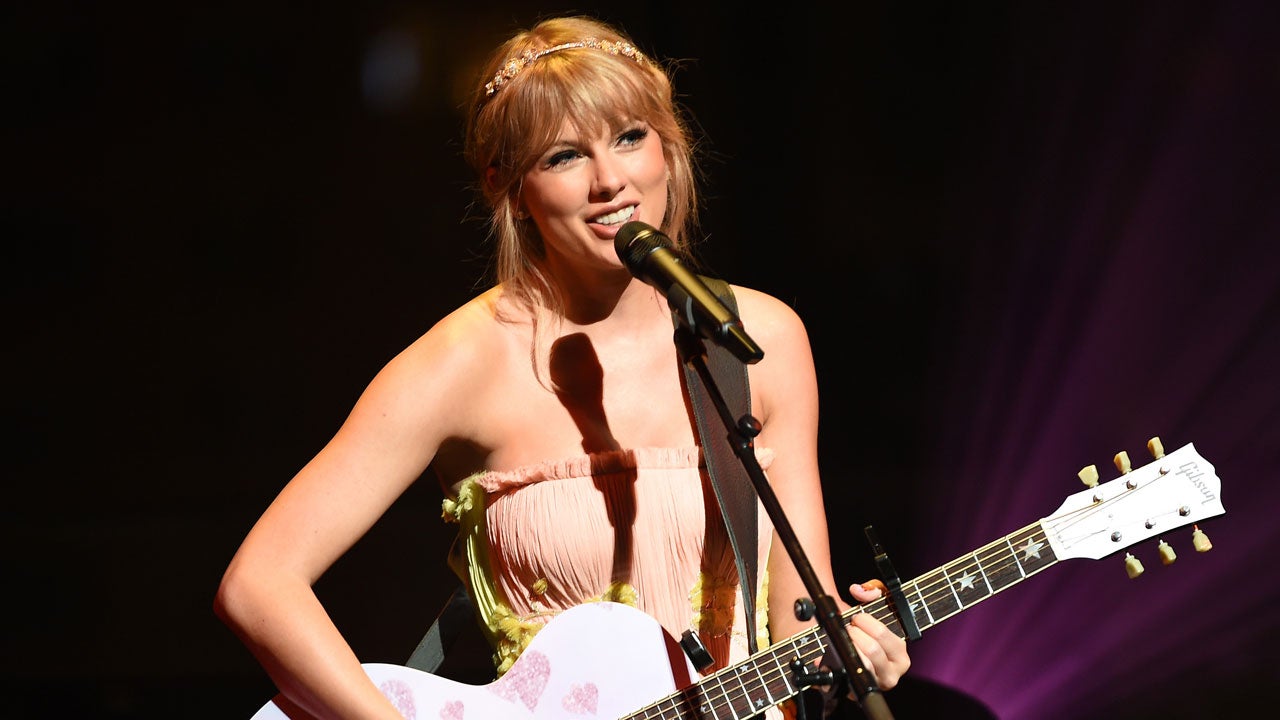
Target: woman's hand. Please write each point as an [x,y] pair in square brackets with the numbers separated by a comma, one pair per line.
[883,653]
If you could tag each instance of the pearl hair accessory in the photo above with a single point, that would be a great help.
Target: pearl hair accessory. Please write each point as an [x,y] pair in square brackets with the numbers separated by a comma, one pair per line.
[513,67]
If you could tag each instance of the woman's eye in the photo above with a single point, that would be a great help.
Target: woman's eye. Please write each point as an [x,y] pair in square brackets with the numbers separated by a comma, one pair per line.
[561,158]
[633,137]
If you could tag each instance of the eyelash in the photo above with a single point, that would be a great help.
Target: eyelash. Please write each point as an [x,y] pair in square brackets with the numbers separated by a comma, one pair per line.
[634,135]
[630,137]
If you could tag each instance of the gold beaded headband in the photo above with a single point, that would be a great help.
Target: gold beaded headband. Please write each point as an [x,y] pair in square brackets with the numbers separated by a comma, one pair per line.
[515,65]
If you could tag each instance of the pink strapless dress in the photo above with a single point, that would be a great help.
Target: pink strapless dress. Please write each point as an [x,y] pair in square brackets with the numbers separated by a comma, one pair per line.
[634,526]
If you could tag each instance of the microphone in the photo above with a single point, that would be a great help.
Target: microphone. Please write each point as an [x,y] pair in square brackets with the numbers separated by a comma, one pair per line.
[647,254]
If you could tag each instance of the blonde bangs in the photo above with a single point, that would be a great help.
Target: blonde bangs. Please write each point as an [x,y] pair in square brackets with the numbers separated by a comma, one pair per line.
[605,94]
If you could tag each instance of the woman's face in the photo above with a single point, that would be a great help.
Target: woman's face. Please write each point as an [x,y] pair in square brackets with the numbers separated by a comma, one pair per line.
[582,190]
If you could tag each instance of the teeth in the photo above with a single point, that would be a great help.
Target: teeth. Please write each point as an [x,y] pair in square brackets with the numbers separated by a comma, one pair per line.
[615,218]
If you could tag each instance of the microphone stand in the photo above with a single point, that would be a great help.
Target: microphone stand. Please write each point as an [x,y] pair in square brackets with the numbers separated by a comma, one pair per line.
[741,433]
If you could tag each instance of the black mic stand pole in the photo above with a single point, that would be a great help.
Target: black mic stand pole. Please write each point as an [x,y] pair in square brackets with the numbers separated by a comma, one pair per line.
[741,434]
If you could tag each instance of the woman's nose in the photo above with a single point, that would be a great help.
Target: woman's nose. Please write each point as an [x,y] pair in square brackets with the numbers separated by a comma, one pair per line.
[609,178]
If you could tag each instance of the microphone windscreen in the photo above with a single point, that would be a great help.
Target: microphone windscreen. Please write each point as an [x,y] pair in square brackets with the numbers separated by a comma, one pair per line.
[634,241]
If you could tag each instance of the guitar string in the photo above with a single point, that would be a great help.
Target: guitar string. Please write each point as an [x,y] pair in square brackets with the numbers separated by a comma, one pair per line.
[716,703]
[937,584]
[934,590]
[715,696]
[929,593]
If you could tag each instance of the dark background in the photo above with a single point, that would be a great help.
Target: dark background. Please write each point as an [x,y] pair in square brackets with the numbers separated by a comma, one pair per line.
[1024,236]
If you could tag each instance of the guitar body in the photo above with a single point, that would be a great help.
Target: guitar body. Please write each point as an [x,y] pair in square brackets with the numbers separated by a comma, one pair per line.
[599,660]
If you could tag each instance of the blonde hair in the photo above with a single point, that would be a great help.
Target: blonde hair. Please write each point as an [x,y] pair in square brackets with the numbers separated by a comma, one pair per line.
[510,126]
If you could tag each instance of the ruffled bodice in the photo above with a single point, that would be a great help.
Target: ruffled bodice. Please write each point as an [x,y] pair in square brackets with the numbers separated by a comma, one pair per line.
[635,526]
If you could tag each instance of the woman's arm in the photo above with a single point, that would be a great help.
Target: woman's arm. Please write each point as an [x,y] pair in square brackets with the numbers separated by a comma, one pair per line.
[785,400]
[385,444]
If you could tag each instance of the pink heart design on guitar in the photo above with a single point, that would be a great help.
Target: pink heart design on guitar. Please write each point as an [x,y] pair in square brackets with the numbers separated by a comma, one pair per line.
[451,711]
[527,679]
[400,695]
[582,699]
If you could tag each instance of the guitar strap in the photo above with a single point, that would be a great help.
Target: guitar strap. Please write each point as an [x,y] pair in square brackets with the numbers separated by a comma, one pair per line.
[458,613]
[736,496]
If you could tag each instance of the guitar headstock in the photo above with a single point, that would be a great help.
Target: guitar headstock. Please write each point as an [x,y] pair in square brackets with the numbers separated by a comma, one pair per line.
[1171,491]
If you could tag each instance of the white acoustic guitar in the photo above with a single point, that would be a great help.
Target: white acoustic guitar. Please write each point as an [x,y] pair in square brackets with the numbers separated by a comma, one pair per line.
[606,660]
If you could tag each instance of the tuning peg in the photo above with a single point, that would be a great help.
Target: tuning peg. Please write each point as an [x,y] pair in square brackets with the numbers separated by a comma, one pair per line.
[1089,476]
[1132,565]
[1122,462]
[1200,540]
[1155,447]
[1167,555]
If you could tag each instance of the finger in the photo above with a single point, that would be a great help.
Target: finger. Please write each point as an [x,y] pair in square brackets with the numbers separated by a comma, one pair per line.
[867,591]
[883,652]
[871,657]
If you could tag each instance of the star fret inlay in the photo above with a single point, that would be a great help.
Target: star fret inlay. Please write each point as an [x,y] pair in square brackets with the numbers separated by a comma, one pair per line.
[1031,549]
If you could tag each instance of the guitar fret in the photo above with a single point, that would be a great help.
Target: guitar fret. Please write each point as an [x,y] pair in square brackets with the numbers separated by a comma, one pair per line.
[723,697]
[954,587]
[692,701]
[761,684]
[1037,553]
[733,696]
[943,603]
[746,691]
[776,686]
[1014,554]
[977,560]
[922,604]
[993,561]
[728,694]
[1004,567]
[788,691]
[954,595]
[965,573]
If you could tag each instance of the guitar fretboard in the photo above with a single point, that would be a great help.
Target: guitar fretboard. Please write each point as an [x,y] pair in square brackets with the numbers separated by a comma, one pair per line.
[769,678]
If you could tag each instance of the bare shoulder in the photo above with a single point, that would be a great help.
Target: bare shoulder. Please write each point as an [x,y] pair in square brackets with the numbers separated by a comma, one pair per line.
[459,345]
[466,330]
[784,382]
[766,318]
